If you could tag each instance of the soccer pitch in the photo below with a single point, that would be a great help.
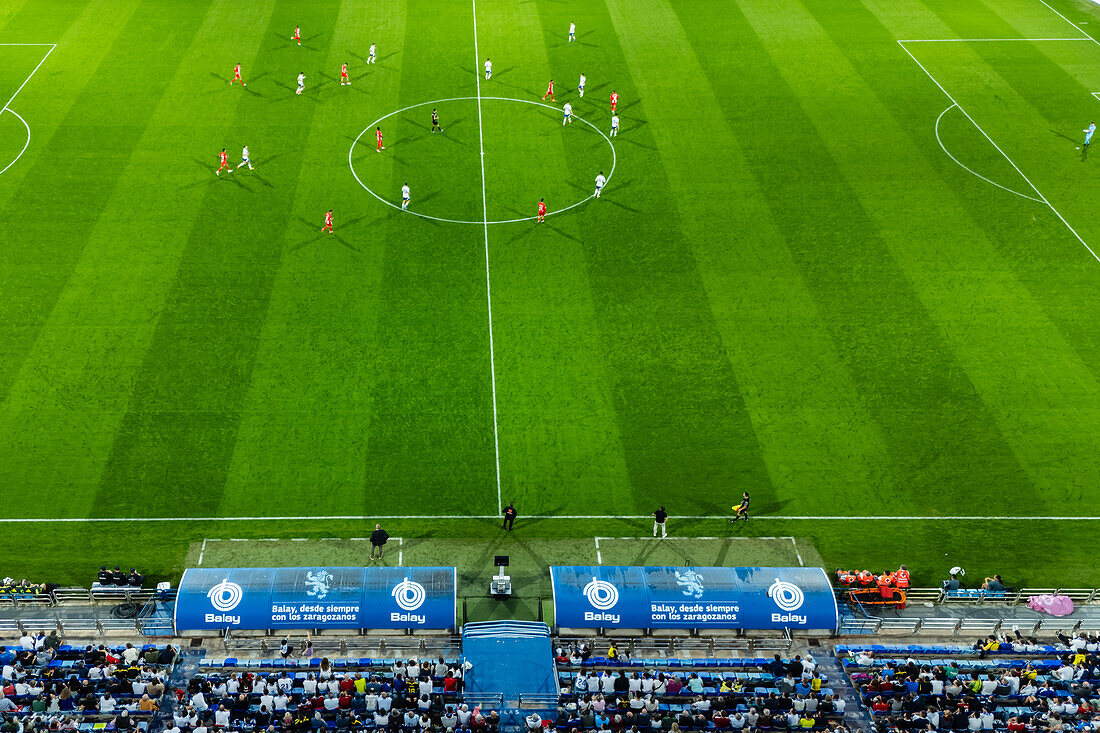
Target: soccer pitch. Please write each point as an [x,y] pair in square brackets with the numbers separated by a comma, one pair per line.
[845,260]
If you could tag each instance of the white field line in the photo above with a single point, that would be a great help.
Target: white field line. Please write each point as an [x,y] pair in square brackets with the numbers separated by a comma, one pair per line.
[400,551]
[738,537]
[599,558]
[565,517]
[36,68]
[1070,22]
[488,284]
[796,552]
[479,222]
[202,551]
[7,105]
[970,170]
[1002,152]
[987,40]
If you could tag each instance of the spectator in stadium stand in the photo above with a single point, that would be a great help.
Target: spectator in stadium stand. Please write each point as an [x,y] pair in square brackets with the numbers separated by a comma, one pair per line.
[901,578]
[951,583]
[286,648]
[378,540]
[994,584]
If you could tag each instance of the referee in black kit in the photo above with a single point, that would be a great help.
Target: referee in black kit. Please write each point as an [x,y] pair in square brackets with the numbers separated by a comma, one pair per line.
[742,508]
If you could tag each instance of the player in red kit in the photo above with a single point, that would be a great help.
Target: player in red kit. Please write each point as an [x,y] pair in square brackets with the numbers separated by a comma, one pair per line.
[614,101]
[344,75]
[542,210]
[237,76]
[224,163]
[297,35]
[549,91]
[378,134]
[328,222]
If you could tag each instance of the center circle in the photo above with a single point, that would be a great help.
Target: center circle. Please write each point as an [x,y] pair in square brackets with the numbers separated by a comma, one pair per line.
[377,123]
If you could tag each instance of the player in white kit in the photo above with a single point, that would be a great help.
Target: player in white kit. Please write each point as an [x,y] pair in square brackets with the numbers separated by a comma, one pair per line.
[614,125]
[572,32]
[488,69]
[405,196]
[600,183]
[580,87]
[245,159]
[372,54]
[568,118]
[301,83]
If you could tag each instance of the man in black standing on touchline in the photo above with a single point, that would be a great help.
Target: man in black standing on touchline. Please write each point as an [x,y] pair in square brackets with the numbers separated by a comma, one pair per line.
[509,516]
[378,541]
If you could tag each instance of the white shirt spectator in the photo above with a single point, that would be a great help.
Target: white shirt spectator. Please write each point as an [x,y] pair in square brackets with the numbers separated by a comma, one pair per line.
[8,672]
[385,702]
[534,722]
[737,722]
[27,642]
[424,687]
[648,684]
[839,705]
[286,684]
[281,701]
[139,687]
[233,685]
[580,684]
[440,670]
[221,717]
[309,685]
[988,686]
[331,703]
[607,684]
[370,701]
[987,720]
[1065,672]
[130,654]
[463,714]
[267,700]
[381,719]
[198,701]
[634,684]
[107,704]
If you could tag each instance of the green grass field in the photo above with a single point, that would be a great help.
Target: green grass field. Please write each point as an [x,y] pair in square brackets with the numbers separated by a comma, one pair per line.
[850,275]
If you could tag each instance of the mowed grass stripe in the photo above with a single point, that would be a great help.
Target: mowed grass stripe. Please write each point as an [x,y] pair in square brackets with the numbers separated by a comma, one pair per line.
[560,439]
[1029,18]
[681,414]
[430,440]
[820,443]
[182,421]
[303,435]
[12,8]
[53,178]
[57,417]
[1031,378]
[937,430]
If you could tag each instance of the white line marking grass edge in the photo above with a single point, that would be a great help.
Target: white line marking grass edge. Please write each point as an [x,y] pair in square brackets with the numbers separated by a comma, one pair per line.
[564,517]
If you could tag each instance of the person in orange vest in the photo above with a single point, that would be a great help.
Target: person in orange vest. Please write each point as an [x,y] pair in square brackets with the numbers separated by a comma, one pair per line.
[884,586]
[901,578]
[866,578]
[845,577]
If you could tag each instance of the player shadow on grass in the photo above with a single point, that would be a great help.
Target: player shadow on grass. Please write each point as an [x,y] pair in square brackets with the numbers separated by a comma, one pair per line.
[250,90]
[528,231]
[1075,141]
[563,39]
[321,236]
[450,125]
[361,89]
[616,185]
[289,42]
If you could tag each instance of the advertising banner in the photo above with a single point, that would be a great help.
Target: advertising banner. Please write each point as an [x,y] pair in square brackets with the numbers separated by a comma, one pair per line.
[693,598]
[316,598]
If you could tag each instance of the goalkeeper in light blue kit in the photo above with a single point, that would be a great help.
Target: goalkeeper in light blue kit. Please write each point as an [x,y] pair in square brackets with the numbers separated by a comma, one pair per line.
[1088,133]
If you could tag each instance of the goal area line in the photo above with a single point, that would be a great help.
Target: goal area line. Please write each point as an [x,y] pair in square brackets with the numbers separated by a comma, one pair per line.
[546,517]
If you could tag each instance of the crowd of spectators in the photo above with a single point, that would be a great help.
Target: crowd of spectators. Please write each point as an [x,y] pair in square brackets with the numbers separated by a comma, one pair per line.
[47,685]
[765,694]
[407,696]
[1012,683]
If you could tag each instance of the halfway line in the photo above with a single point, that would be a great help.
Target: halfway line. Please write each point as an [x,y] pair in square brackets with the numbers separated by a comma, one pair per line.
[488,285]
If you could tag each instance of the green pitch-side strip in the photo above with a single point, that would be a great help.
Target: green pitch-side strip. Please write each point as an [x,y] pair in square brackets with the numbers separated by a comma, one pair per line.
[10,10]
[1037,383]
[559,434]
[182,422]
[35,259]
[680,411]
[430,440]
[937,430]
[303,436]
[745,268]
[56,434]
[1046,258]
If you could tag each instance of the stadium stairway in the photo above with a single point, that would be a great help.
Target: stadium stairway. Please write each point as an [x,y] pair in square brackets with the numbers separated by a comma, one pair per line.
[511,664]
[856,716]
